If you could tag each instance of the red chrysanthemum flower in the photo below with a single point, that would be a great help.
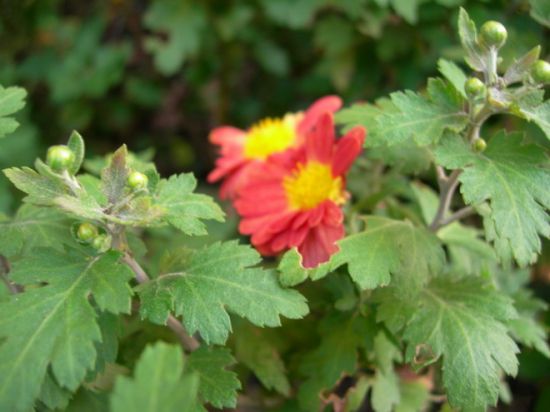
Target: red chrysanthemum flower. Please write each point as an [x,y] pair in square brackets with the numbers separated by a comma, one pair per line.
[293,199]
[242,150]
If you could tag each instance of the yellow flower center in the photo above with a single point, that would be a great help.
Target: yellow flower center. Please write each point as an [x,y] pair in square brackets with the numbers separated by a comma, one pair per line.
[311,184]
[270,136]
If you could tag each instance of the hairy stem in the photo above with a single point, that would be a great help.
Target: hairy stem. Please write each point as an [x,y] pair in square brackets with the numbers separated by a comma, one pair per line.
[447,187]
[187,341]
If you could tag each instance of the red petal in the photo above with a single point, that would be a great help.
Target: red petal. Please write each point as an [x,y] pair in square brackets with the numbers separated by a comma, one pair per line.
[320,244]
[347,149]
[227,134]
[327,104]
[320,140]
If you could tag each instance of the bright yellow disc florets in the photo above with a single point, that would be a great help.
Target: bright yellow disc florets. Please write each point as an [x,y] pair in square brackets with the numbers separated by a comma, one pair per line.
[311,184]
[270,136]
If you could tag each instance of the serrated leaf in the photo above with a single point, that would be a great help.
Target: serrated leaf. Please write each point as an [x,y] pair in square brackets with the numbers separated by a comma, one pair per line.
[336,355]
[158,384]
[185,209]
[256,351]
[34,227]
[214,279]
[12,99]
[527,329]
[540,115]
[217,385]
[419,118]
[41,190]
[388,247]
[510,177]
[454,74]
[292,272]
[52,395]
[461,322]
[55,324]
[468,37]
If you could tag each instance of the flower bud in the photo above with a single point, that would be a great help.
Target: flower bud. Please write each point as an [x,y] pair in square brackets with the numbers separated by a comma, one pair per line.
[541,72]
[101,243]
[137,180]
[479,145]
[86,232]
[474,87]
[493,34]
[59,158]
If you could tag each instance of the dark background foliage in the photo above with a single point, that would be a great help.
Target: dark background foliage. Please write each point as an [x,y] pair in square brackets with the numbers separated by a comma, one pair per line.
[161,74]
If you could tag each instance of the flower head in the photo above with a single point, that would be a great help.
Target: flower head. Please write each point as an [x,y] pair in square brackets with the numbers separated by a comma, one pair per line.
[242,150]
[293,199]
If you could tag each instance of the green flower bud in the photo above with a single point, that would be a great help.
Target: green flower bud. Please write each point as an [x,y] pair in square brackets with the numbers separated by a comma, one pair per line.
[137,180]
[493,34]
[86,232]
[102,243]
[479,145]
[59,158]
[474,87]
[541,71]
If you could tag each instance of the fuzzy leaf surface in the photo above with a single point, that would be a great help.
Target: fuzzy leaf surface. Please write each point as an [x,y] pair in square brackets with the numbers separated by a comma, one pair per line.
[512,178]
[186,209]
[419,117]
[213,280]
[55,325]
[462,322]
[390,247]
[217,385]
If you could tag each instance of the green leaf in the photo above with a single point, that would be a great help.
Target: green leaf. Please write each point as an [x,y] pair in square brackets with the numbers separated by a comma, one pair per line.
[292,272]
[408,9]
[414,396]
[520,68]
[540,115]
[114,178]
[12,99]
[41,190]
[540,11]
[461,322]
[337,355]
[56,324]
[419,118]
[255,350]
[385,388]
[289,13]
[510,177]
[183,23]
[185,209]
[76,144]
[527,329]
[34,227]
[453,74]
[468,37]
[217,385]
[387,247]
[219,277]
[158,384]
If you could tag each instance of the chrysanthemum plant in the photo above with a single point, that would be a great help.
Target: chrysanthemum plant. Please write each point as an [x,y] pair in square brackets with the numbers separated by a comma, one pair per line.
[416,292]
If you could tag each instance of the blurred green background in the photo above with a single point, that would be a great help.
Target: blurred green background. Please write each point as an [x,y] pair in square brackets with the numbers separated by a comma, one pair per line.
[162,73]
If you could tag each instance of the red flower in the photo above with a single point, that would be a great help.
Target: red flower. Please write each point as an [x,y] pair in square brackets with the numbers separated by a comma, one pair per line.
[242,150]
[293,199]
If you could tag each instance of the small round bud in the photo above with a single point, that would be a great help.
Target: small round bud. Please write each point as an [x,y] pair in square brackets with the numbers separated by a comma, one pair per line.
[541,71]
[101,243]
[137,180]
[479,145]
[59,157]
[474,87]
[493,34]
[86,232]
